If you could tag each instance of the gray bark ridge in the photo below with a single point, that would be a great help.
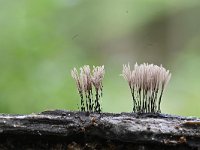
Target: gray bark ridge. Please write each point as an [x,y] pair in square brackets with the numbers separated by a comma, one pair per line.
[125,127]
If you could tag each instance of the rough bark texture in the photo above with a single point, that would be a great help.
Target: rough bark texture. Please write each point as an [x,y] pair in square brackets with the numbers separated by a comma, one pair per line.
[80,130]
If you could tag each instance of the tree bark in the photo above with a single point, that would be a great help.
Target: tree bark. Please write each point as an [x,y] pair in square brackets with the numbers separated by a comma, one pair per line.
[82,130]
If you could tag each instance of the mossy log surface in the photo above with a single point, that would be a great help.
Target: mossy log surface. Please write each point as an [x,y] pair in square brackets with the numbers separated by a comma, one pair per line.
[82,130]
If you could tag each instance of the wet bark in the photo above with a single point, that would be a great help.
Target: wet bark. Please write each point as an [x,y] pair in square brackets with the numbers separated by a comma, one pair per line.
[80,130]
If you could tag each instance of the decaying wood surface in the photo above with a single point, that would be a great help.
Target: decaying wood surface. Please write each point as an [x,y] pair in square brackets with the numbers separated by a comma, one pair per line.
[80,130]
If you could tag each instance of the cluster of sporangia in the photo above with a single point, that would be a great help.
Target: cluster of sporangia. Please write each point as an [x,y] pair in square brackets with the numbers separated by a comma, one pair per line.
[86,83]
[146,82]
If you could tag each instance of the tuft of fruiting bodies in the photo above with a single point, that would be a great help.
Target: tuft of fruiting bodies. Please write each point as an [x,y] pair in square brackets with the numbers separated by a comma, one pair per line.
[147,83]
[87,83]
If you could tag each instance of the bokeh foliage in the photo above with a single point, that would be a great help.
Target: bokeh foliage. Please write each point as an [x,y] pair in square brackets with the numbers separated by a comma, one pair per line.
[42,40]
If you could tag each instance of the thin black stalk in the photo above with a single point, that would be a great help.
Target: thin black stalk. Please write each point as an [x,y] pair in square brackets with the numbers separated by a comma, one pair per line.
[86,101]
[143,99]
[155,100]
[96,100]
[82,101]
[134,101]
[159,110]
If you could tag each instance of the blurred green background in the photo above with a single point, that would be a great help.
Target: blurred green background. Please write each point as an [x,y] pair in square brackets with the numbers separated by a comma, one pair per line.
[42,40]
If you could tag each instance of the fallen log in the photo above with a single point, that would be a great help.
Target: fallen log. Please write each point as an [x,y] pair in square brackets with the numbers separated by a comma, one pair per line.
[60,129]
